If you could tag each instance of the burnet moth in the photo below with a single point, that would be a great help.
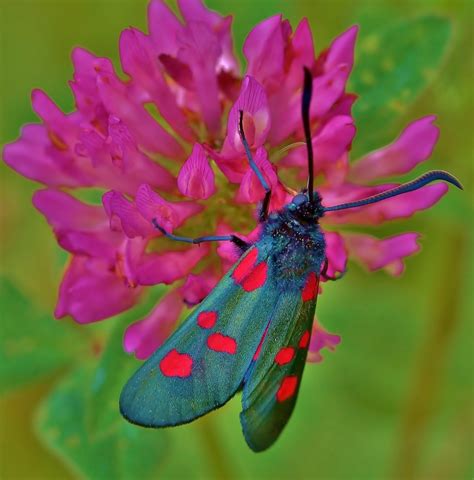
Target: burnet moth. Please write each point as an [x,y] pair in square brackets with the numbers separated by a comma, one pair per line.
[252,332]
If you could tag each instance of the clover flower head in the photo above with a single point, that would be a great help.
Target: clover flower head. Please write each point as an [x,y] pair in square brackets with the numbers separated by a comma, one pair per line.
[164,144]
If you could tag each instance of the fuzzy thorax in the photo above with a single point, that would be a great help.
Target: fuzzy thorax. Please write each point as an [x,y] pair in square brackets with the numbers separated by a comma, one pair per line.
[295,241]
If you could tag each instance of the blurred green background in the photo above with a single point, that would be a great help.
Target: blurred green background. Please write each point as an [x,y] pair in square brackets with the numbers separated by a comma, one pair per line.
[394,401]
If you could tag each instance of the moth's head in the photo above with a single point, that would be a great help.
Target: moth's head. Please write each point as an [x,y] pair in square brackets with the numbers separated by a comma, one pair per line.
[301,208]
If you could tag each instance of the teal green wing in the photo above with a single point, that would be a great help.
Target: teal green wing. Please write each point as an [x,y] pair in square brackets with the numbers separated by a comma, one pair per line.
[202,365]
[273,380]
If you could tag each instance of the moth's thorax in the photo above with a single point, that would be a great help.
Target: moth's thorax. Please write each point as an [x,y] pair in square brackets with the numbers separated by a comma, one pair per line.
[301,208]
[295,242]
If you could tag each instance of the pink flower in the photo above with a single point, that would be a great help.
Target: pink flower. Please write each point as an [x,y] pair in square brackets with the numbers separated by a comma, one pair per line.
[196,177]
[320,339]
[190,172]
[145,336]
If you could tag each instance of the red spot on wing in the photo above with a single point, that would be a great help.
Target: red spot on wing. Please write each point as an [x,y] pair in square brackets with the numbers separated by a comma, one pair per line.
[285,355]
[256,278]
[249,275]
[207,319]
[304,340]
[245,266]
[287,388]
[310,289]
[257,352]
[222,343]
[175,364]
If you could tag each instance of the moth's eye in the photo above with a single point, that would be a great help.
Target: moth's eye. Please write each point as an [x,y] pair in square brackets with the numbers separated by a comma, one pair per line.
[299,199]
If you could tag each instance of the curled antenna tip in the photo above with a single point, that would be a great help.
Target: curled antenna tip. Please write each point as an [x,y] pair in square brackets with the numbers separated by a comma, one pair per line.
[451,179]
[419,182]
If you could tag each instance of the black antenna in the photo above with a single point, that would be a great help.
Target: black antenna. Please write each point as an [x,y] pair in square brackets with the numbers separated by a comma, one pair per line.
[404,188]
[305,103]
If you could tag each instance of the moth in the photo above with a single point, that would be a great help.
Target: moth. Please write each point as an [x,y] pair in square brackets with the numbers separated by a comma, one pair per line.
[252,332]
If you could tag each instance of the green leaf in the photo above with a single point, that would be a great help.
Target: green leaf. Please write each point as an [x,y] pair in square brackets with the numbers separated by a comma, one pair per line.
[125,452]
[115,368]
[394,65]
[32,343]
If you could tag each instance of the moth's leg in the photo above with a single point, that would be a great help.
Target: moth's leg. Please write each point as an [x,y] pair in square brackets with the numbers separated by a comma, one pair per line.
[268,191]
[325,269]
[241,244]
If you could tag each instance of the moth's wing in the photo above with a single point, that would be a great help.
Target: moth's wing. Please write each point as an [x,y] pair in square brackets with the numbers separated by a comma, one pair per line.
[202,365]
[273,380]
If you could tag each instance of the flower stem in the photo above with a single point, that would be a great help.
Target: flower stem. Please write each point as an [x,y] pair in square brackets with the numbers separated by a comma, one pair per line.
[434,353]
[213,447]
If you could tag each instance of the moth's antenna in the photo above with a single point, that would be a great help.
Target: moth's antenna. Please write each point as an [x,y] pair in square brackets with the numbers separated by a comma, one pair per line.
[305,103]
[252,163]
[404,188]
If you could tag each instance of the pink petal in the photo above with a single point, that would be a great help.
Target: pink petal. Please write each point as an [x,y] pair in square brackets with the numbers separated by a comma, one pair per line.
[65,212]
[178,71]
[169,215]
[332,70]
[164,27]
[58,152]
[144,336]
[195,11]
[341,50]
[330,87]
[33,156]
[402,206]
[196,178]
[79,228]
[170,266]
[197,287]
[46,109]
[62,129]
[285,113]
[131,221]
[387,253]
[99,245]
[302,48]
[117,161]
[343,106]
[264,50]
[231,163]
[329,147]
[90,292]
[336,254]
[253,102]
[128,258]
[414,145]
[92,144]
[280,197]
[137,167]
[229,84]
[227,251]
[285,99]
[320,338]
[201,50]
[143,127]
[138,59]
[86,69]
[251,190]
